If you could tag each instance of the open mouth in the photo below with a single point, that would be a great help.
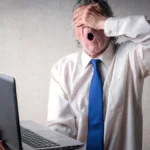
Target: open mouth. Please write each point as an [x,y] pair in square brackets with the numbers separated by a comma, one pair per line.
[90,36]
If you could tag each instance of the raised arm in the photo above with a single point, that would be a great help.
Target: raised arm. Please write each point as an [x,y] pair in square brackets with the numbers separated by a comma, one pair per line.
[134,28]
[137,30]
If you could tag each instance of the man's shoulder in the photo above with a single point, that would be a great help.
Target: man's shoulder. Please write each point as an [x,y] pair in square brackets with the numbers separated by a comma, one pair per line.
[71,58]
[66,61]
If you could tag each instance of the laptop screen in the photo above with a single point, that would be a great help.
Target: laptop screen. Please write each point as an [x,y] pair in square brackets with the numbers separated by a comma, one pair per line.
[9,117]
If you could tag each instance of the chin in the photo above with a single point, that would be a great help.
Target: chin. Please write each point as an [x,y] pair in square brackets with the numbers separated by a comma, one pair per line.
[95,47]
[93,53]
[94,50]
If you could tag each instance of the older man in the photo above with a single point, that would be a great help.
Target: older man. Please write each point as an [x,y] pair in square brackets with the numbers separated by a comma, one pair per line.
[95,95]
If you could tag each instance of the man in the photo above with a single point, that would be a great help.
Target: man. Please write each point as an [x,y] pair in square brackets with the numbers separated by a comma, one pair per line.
[95,95]
[1,145]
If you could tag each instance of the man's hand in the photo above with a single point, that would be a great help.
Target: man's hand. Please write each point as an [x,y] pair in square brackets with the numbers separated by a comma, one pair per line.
[1,145]
[89,16]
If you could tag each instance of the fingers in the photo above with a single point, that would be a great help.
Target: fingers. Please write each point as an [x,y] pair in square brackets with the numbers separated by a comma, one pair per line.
[1,145]
[76,16]
[95,8]
[78,19]
[90,12]
[79,22]
[78,12]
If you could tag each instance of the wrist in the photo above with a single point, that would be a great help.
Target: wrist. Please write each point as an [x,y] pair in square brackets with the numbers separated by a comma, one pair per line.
[101,23]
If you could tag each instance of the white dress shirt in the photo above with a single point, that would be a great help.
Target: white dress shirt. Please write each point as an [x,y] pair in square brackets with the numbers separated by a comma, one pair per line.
[123,71]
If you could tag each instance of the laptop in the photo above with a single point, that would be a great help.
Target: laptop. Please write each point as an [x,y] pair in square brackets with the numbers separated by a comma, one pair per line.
[26,135]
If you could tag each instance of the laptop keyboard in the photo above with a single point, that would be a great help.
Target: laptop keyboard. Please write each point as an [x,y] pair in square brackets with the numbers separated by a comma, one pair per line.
[35,140]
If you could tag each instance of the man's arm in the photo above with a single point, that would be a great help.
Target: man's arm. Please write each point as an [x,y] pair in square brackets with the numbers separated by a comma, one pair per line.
[60,116]
[137,30]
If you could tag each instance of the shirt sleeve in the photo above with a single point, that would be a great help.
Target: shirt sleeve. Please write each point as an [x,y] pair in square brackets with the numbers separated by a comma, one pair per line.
[135,29]
[60,116]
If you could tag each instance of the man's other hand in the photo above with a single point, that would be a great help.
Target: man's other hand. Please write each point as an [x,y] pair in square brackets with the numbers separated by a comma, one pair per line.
[1,145]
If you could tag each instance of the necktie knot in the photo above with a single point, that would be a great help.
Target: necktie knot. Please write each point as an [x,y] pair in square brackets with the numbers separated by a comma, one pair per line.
[95,63]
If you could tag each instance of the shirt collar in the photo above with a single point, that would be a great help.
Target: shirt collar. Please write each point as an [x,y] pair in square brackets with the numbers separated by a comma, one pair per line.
[106,57]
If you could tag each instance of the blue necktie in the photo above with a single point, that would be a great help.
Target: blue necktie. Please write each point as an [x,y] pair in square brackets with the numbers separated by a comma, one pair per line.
[95,111]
